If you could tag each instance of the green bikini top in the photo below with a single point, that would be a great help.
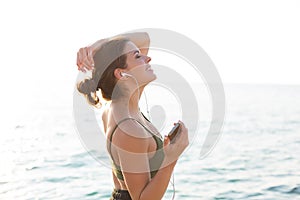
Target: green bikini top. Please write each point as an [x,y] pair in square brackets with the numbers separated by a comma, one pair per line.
[154,162]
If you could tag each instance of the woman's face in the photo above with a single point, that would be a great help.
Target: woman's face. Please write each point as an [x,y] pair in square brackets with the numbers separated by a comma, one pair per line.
[138,64]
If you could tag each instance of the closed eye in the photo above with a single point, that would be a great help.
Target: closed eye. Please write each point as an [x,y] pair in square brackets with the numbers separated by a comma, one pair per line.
[137,54]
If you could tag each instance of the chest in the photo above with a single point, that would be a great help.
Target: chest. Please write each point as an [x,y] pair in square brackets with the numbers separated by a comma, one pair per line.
[153,136]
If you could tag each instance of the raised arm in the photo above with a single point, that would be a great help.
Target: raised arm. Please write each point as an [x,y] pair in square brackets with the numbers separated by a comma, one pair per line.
[85,54]
[140,39]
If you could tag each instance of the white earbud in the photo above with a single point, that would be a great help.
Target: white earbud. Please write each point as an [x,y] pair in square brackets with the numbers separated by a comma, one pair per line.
[125,74]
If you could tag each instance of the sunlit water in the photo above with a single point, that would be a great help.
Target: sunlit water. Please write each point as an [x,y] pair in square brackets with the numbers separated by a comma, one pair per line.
[257,156]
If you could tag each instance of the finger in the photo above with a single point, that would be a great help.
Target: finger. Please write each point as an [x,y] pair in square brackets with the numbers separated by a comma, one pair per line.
[77,60]
[176,122]
[87,66]
[83,60]
[181,123]
[87,57]
[83,54]
[183,129]
[80,59]
[82,66]
[90,55]
[81,69]
[166,141]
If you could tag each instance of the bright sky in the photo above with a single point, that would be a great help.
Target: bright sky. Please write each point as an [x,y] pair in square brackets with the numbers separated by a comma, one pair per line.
[253,41]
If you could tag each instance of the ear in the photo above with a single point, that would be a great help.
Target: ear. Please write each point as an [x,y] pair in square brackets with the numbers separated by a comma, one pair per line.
[117,73]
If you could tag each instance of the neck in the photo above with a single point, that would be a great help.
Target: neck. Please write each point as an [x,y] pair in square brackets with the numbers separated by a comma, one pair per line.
[128,105]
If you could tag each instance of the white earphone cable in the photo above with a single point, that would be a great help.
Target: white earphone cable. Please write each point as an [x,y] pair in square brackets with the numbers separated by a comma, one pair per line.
[148,113]
[129,75]
[138,88]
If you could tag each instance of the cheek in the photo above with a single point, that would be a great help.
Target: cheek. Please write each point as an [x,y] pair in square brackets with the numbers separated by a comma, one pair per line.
[137,67]
[139,63]
[133,63]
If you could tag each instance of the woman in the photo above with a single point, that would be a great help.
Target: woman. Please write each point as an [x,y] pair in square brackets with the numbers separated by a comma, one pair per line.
[142,161]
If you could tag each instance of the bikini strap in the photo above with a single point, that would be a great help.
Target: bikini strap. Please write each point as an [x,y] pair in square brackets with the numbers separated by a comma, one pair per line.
[123,120]
[118,170]
[111,135]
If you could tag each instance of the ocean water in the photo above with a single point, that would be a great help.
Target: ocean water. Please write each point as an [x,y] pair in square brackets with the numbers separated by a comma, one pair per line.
[256,157]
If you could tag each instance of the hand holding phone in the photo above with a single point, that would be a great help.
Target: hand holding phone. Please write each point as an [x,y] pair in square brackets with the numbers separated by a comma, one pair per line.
[173,133]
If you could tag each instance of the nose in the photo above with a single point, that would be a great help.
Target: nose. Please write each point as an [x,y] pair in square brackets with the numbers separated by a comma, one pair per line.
[148,59]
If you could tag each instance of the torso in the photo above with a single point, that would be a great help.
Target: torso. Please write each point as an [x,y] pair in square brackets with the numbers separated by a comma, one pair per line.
[109,124]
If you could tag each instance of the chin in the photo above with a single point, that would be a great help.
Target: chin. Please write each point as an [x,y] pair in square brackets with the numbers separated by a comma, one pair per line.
[153,77]
[149,79]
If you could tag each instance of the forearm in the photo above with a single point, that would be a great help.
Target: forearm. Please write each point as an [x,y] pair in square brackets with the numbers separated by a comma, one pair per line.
[140,39]
[157,187]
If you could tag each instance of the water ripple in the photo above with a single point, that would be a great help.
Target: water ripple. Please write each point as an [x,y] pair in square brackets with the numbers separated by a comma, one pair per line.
[92,194]
[295,190]
[284,189]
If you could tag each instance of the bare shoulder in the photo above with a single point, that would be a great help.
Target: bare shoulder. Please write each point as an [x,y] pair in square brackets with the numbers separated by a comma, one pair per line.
[131,136]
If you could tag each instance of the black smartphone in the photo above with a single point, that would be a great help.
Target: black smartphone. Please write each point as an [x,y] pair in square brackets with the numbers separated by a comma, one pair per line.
[175,130]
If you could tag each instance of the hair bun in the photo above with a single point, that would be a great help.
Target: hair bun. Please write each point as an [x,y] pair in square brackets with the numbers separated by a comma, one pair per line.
[87,86]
